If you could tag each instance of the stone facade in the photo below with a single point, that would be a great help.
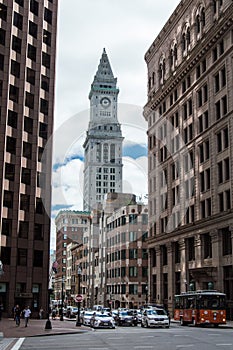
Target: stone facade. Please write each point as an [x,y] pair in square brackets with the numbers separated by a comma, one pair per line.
[189,115]
[27,80]
[103,144]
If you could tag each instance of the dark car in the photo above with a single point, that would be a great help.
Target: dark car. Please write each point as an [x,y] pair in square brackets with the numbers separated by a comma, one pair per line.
[126,318]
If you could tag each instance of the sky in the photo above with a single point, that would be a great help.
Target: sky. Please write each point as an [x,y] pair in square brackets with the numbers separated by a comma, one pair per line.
[126,29]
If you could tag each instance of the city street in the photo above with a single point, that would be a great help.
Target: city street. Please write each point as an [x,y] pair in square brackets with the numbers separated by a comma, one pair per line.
[128,338]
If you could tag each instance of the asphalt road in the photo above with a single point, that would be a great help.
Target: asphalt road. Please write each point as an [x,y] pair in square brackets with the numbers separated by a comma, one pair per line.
[136,338]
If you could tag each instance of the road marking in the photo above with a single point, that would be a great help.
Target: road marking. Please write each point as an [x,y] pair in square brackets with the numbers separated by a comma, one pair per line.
[144,347]
[223,344]
[18,344]
[184,346]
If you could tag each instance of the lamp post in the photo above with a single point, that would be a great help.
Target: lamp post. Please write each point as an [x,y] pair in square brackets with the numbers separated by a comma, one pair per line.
[78,322]
[146,289]
[62,299]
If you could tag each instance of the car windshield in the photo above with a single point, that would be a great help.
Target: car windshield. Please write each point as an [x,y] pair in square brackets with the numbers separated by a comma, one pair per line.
[102,315]
[156,312]
[124,313]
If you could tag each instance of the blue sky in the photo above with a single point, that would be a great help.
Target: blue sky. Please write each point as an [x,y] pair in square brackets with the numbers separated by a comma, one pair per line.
[126,29]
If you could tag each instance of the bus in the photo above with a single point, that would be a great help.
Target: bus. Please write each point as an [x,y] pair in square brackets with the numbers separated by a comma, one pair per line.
[200,307]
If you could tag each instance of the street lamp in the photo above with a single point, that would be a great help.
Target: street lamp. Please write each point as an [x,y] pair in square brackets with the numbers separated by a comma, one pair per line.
[62,299]
[78,322]
[146,289]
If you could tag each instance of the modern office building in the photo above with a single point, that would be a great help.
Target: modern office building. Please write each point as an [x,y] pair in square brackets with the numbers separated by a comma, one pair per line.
[103,144]
[27,78]
[189,113]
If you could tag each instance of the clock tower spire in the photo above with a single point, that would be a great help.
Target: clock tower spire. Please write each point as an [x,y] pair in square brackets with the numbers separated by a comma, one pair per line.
[103,144]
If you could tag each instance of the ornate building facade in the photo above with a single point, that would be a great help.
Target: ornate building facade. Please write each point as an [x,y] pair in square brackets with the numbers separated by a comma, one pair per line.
[103,144]
[189,113]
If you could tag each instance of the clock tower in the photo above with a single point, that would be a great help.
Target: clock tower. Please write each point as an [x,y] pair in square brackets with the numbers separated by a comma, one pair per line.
[103,144]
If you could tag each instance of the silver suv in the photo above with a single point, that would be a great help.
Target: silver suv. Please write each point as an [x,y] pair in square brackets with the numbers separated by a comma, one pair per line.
[155,318]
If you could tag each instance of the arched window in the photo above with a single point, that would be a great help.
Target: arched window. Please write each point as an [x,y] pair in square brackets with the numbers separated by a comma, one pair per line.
[203,18]
[198,24]
[175,52]
[183,42]
[153,78]
[162,70]
[188,38]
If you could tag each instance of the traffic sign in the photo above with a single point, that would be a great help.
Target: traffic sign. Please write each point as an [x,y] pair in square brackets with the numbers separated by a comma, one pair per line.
[78,298]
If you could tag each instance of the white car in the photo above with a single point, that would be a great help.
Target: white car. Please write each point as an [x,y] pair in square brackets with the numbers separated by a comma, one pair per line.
[86,317]
[102,320]
[155,318]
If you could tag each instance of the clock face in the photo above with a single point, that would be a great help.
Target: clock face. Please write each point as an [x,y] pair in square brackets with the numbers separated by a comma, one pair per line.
[105,102]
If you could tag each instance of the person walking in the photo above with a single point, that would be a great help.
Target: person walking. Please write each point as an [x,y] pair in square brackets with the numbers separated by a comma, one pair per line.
[27,313]
[17,313]
[41,313]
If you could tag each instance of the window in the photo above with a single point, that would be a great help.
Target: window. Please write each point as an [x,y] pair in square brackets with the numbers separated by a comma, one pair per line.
[6,227]
[34,7]
[8,199]
[47,37]
[27,150]
[205,180]
[38,258]
[38,231]
[224,200]
[33,29]
[44,106]
[40,153]
[46,60]
[48,15]
[28,125]
[133,271]
[226,241]
[12,119]
[24,202]
[191,248]
[31,52]
[204,151]
[18,20]
[26,176]
[39,206]
[133,289]
[22,257]
[45,83]
[14,93]
[29,100]
[207,246]
[15,68]
[221,107]
[2,37]
[203,121]
[23,229]
[11,145]
[20,2]
[43,130]
[16,44]
[9,171]
[3,12]
[133,253]
[222,140]
[205,208]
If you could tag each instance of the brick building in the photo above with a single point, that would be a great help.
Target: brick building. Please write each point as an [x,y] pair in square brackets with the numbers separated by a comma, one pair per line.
[189,115]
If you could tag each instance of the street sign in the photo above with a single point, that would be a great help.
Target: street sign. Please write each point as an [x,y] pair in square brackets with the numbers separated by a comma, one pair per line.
[78,298]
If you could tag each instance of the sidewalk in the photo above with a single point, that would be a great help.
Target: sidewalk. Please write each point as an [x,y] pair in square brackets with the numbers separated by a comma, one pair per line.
[8,328]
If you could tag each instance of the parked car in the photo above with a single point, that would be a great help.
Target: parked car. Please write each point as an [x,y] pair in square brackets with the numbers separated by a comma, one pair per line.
[102,320]
[71,311]
[126,318]
[85,317]
[155,318]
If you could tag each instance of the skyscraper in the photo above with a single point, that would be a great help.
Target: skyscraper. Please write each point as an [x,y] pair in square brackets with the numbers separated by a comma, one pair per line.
[27,75]
[103,144]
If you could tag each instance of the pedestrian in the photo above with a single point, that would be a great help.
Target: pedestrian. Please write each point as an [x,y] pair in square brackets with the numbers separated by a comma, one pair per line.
[17,314]
[41,313]
[27,313]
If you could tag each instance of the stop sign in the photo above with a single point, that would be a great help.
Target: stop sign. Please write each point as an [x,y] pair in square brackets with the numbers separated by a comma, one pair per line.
[78,298]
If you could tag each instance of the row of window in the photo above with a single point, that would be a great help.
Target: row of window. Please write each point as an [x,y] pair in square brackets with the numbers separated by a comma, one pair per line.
[24,204]
[132,289]
[131,271]
[22,257]
[206,248]
[184,44]
[123,254]
[18,18]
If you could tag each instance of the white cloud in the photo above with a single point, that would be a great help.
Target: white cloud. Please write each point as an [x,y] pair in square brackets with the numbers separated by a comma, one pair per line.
[126,29]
